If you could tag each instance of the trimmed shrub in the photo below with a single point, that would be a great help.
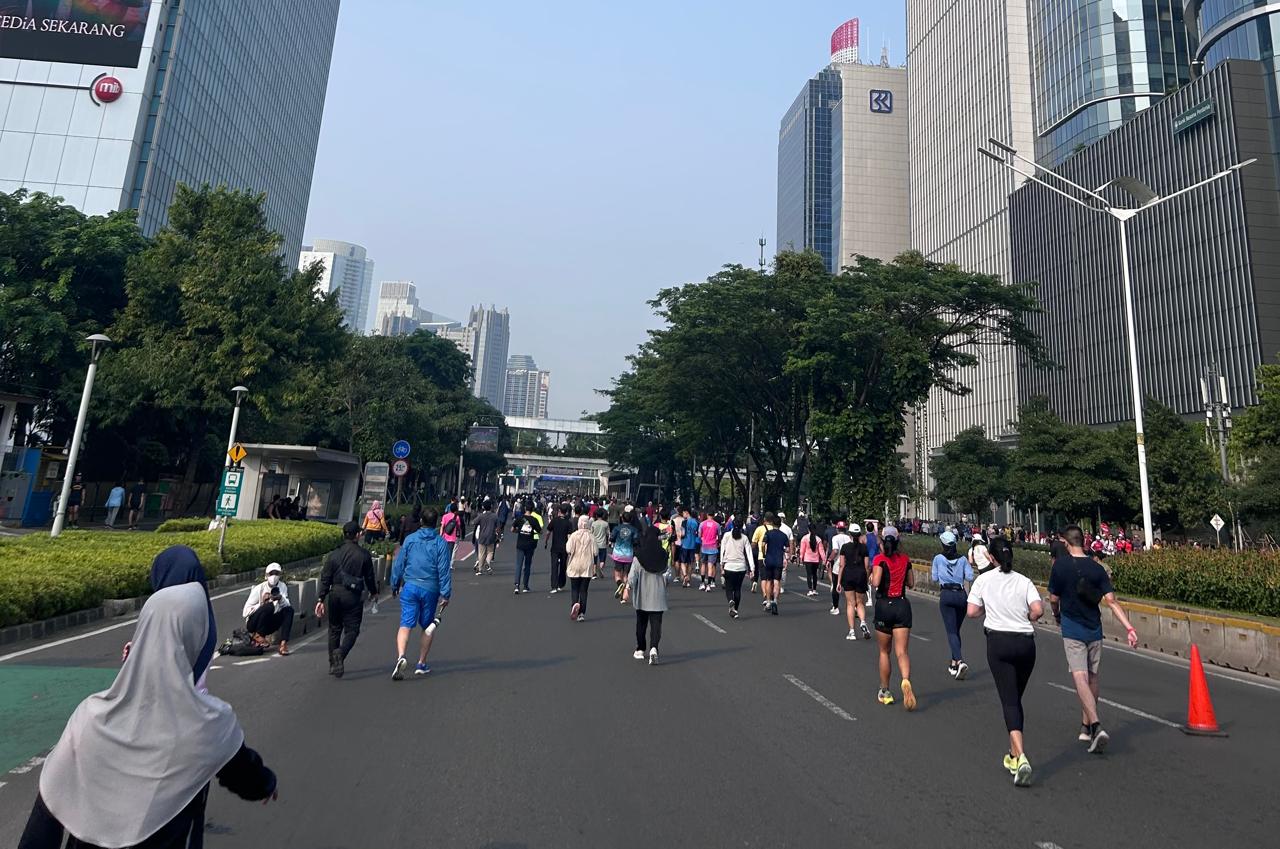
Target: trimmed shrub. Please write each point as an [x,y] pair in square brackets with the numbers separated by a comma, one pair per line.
[1246,581]
[42,577]
[177,526]
[1030,560]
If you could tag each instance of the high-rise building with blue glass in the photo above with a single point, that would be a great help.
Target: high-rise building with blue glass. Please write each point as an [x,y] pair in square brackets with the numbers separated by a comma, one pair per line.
[1097,63]
[198,92]
[804,168]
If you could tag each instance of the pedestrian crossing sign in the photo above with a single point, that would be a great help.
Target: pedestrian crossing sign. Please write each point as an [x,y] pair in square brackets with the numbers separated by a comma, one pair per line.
[229,493]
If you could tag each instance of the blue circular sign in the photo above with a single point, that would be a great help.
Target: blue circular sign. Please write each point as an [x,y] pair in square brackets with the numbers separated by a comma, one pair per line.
[400,449]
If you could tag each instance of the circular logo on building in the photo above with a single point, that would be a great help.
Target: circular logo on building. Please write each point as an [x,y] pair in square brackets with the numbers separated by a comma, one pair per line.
[107,89]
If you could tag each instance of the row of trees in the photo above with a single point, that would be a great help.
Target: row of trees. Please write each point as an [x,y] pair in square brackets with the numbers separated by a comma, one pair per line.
[206,304]
[770,370]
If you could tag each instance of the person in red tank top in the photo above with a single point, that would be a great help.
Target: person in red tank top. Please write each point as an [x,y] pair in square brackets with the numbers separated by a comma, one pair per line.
[892,576]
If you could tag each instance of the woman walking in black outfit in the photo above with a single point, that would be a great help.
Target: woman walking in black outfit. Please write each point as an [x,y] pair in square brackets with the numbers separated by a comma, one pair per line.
[1011,603]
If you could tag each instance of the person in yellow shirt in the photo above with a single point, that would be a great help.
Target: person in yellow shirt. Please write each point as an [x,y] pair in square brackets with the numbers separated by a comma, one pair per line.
[757,540]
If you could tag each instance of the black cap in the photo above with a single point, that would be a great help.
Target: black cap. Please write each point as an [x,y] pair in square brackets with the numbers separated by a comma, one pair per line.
[351,529]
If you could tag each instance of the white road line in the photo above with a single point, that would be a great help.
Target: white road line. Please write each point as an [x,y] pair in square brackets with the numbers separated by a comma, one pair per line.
[1147,654]
[705,621]
[918,637]
[253,660]
[28,766]
[65,640]
[819,698]
[1047,845]
[1118,706]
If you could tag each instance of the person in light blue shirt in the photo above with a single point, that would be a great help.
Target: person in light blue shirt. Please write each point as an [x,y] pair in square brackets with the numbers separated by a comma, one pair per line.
[421,576]
[952,573]
[115,500]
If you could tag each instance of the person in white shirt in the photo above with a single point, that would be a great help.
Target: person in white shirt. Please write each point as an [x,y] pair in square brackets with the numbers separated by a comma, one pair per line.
[737,560]
[980,555]
[1010,603]
[267,610]
[837,542]
[791,549]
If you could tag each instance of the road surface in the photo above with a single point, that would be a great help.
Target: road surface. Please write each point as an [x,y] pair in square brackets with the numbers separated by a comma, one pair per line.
[535,731]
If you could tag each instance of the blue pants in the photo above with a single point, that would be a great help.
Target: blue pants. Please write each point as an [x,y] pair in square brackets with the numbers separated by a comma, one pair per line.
[524,564]
[954,605]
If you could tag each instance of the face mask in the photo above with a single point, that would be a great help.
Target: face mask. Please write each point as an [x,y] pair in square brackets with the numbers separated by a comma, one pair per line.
[273,580]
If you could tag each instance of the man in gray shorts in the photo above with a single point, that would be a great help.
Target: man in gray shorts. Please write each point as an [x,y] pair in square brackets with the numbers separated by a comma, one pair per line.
[1077,588]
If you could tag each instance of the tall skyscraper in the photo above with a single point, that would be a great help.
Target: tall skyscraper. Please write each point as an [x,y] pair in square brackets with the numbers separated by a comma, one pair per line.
[189,91]
[485,339]
[398,313]
[842,169]
[349,272]
[527,388]
[1097,63]
[970,78]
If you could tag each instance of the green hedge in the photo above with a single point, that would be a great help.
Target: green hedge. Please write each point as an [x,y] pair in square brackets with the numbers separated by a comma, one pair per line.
[177,526]
[42,577]
[1246,581]
[1030,560]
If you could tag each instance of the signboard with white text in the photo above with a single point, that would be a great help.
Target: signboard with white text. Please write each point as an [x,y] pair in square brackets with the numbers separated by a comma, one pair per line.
[90,32]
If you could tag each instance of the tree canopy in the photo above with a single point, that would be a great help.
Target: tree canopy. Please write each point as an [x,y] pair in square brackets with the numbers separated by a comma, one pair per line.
[969,474]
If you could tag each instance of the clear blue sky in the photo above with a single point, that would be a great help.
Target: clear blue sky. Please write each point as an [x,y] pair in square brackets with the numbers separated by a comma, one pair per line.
[566,159]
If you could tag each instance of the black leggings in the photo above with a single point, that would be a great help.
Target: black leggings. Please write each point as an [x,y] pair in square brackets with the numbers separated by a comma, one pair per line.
[811,575]
[733,587]
[836,592]
[578,586]
[652,620]
[1011,658]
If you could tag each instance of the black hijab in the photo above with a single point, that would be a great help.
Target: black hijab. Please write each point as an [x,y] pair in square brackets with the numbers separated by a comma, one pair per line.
[650,553]
[177,565]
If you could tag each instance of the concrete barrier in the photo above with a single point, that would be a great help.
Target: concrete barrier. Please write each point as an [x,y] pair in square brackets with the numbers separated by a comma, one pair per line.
[1242,645]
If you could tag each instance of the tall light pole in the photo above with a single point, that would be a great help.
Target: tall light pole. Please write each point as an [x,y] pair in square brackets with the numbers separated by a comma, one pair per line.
[462,449]
[239,392]
[98,343]
[1094,202]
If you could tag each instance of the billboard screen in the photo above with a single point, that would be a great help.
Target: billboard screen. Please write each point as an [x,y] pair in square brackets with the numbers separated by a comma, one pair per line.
[483,439]
[90,32]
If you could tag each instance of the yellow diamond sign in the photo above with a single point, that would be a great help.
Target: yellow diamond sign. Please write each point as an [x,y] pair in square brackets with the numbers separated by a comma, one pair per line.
[237,453]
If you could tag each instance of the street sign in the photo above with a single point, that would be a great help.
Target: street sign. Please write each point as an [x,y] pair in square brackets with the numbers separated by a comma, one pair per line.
[237,453]
[400,468]
[1217,522]
[229,493]
[400,449]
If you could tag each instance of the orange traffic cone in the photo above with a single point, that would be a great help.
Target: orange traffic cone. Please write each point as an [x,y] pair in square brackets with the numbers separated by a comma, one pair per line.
[1200,718]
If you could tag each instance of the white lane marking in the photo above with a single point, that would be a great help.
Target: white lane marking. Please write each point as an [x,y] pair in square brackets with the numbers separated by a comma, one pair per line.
[1118,706]
[22,769]
[918,637]
[705,621]
[253,660]
[215,666]
[819,698]
[1047,845]
[64,641]
[1184,665]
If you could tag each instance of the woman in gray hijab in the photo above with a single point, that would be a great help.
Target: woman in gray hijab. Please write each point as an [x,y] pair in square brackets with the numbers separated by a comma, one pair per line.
[133,766]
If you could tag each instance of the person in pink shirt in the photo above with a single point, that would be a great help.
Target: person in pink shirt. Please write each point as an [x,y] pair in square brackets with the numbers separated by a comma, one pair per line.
[813,553]
[709,537]
[451,530]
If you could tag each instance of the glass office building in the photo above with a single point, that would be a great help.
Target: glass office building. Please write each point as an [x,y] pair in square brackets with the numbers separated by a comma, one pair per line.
[805,169]
[218,93]
[1098,63]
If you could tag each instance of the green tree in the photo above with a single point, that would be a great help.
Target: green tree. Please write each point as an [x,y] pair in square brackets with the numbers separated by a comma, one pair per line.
[1255,447]
[970,473]
[1186,485]
[211,305]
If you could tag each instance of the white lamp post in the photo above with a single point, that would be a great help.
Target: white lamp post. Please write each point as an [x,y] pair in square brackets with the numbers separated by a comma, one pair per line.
[1095,202]
[240,392]
[99,342]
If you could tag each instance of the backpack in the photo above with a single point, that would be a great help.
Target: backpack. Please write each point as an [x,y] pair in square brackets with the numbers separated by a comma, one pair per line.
[240,644]
[451,525]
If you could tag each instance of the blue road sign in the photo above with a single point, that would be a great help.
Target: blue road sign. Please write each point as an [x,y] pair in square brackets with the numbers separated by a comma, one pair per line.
[400,449]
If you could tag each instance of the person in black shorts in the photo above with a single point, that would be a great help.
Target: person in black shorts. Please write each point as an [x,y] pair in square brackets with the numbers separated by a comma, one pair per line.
[892,576]
[851,577]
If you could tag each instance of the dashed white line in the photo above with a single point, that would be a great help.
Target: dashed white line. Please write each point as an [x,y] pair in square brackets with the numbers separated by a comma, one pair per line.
[253,660]
[1118,706]
[1047,845]
[918,637]
[22,769]
[819,698]
[705,621]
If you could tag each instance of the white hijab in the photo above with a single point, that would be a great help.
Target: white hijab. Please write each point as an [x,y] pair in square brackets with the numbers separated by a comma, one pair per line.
[132,757]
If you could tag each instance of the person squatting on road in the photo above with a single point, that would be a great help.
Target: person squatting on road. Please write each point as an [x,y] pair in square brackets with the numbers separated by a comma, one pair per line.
[952,573]
[581,551]
[421,577]
[347,571]
[134,763]
[892,576]
[268,612]
[646,590]
[1010,603]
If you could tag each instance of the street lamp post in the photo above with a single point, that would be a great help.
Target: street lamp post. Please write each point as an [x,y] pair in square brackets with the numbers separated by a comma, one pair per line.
[240,392]
[99,342]
[1095,202]
[461,451]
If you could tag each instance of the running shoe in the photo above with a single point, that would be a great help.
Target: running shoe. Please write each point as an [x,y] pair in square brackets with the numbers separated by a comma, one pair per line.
[653,657]
[573,611]
[477,571]
[868,602]
[951,670]
[733,612]
[1083,736]
[754,586]
[835,611]
[782,590]
[638,654]
[582,617]
[773,608]
[908,695]
[421,669]
[1022,772]
[516,591]
[1098,741]
[866,632]
[617,593]
[884,697]
[1011,764]
[852,635]
[397,674]
[962,671]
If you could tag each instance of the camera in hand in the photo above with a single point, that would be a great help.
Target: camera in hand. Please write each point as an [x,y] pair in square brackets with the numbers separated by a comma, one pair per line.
[275,592]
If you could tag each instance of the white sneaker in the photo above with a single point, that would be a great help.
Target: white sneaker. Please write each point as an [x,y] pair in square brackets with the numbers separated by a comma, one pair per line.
[653,657]
[835,611]
[962,671]
[868,602]
[782,590]
[637,654]
[852,635]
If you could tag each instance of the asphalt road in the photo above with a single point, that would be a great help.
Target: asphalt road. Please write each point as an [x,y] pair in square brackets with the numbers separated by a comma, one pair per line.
[535,731]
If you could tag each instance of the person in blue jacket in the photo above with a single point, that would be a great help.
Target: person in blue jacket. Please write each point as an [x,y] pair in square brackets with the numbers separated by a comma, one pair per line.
[421,577]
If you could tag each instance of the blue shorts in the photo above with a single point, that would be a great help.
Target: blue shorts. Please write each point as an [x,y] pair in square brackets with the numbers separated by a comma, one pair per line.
[417,605]
[710,556]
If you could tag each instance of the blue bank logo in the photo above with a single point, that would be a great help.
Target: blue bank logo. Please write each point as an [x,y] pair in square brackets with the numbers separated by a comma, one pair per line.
[881,101]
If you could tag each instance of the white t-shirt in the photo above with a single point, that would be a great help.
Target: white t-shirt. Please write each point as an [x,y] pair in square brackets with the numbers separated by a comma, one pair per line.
[1006,597]
[980,556]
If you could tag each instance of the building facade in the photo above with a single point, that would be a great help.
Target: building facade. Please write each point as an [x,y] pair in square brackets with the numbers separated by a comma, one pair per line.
[969,79]
[347,271]
[1205,266]
[804,169]
[195,92]
[526,389]
[397,312]
[485,338]
[1098,63]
